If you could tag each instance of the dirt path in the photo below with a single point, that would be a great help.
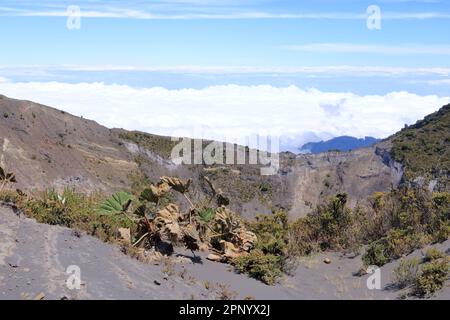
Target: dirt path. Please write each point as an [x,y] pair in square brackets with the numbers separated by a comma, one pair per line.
[34,258]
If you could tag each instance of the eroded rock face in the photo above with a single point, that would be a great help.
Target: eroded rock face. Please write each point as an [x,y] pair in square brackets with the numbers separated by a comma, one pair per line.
[46,147]
[359,173]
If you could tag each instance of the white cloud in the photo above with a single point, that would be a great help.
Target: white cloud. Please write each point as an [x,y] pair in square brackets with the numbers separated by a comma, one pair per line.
[371,48]
[207,12]
[236,15]
[193,69]
[414,15]
[231,111]
[441,82]
[199,9]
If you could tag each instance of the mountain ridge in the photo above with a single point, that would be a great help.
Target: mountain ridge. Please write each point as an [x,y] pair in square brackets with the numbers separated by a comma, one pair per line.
[341,143]
[49,148]
[424,150]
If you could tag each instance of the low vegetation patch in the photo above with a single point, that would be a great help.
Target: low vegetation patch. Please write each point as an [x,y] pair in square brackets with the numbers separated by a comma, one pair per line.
[269,260]
[329,227]
[393,225]
[423,277]
[432,278]
[404,220]
[69,209]
[157,144]
[407,272]
[424,148]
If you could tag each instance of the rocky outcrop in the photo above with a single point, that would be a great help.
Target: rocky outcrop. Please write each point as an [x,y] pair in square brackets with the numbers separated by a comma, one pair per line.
[46,147]
[359,173]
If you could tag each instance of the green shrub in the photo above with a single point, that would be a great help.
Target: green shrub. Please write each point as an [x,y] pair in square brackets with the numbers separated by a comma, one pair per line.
[302,238]
[407,272]
[9,196]
[433,277]
[394,224]
[272,232]
[139,181]
[407,219]
[401,242]
[269,259]
[433,254]
[329,227]
[442,233]
[376,254]
[333,220]
[441,200]
[261,266]
[50,209]
[74,210]
[440,227]
[397,243]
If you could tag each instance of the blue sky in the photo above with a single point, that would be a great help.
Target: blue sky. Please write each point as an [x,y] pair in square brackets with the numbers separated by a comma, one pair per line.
[320,45]
[207,33]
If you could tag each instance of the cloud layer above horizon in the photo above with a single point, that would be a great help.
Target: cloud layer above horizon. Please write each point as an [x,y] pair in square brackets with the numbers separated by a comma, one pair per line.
[217,9]
[231,112]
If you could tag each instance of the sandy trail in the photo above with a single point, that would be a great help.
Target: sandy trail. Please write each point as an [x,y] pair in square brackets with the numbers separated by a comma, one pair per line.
[34,258]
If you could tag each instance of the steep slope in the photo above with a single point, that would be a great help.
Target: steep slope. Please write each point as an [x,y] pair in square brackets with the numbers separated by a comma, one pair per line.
[424,150]
[359,173]
[46,147]
[302,182]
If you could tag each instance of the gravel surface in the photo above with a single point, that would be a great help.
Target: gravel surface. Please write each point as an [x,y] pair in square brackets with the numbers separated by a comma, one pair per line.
[34,258]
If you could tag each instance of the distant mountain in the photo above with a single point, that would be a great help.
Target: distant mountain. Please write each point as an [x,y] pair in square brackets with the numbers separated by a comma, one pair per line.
[291,143]
[343,143]
[49,148]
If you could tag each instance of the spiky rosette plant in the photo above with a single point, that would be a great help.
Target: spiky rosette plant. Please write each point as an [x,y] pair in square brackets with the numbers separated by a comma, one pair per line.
[211,226]
[157,222]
